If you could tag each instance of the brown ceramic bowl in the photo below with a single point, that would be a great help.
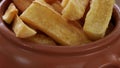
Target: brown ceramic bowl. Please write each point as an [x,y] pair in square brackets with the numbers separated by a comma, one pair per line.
[16,53]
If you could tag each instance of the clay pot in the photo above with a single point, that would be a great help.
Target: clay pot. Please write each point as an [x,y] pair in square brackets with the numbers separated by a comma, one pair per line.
[16,53]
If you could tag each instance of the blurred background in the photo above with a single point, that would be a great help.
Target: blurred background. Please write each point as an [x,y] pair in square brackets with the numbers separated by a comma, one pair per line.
[118,2]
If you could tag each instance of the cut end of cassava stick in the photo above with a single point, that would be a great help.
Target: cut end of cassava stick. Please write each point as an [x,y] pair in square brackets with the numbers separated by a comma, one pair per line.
[74,9]
[10,13]
[50,22]
[22,30]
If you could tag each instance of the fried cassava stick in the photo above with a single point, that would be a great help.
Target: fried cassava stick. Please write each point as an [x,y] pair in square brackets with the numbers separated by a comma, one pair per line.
[46,19]
[98,18]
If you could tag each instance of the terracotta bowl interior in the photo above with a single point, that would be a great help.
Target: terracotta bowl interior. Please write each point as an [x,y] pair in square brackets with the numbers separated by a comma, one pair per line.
[86,48]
